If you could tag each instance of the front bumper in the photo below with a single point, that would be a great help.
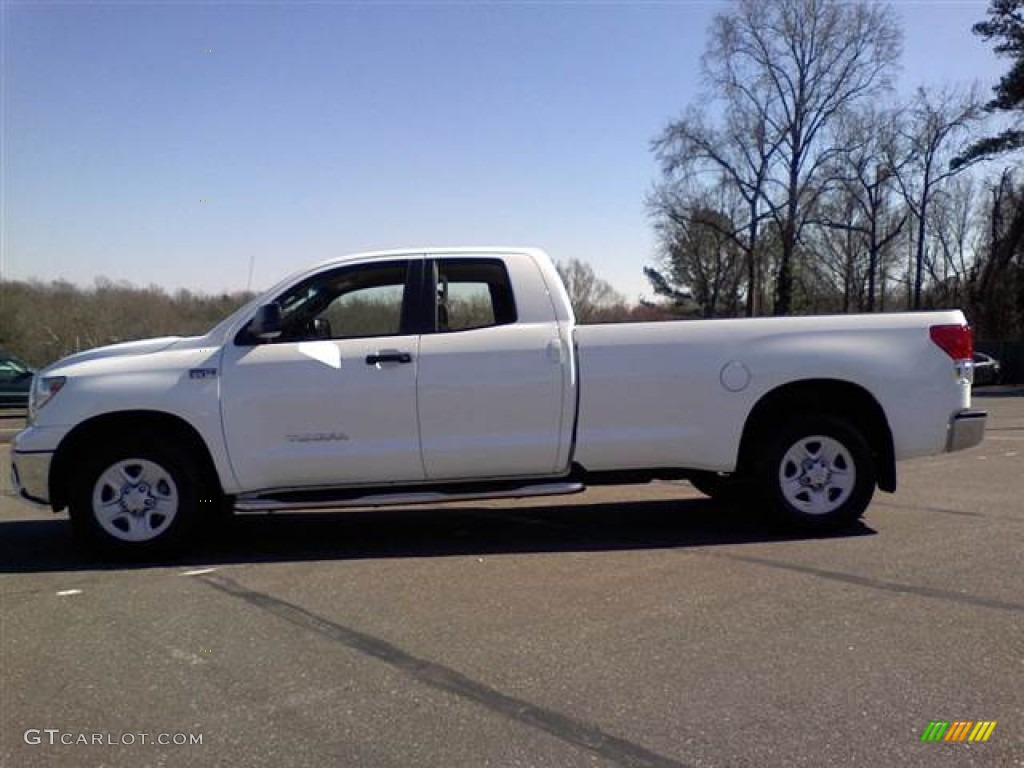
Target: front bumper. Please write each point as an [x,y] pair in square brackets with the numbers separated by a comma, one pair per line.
[966,430]
[30,475]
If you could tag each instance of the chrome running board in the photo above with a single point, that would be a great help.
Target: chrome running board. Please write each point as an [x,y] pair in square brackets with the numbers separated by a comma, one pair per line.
[294,501]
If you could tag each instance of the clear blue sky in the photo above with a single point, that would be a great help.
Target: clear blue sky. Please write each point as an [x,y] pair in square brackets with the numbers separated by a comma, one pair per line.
[317,129]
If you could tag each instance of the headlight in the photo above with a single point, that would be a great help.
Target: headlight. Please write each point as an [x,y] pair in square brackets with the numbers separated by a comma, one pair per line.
[44,388]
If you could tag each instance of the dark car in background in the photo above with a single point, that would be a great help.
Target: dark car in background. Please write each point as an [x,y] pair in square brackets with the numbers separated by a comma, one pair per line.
[15,382]
[986,369]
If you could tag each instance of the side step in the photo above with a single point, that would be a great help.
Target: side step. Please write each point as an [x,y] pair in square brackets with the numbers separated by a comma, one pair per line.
[328,499]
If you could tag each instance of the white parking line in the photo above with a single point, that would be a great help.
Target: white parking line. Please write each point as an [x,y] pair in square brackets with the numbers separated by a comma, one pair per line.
[66,592]
[198,571]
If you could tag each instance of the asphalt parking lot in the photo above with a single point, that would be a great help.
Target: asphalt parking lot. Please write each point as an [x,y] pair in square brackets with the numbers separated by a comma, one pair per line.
[630,626]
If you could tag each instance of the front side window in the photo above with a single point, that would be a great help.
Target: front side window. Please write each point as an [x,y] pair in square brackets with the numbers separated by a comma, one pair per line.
[472,293]
[346,303]
[372,311]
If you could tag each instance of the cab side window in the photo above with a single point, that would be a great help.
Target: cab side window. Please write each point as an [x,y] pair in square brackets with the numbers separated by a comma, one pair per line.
[346,303]
[372,311]
[472,293]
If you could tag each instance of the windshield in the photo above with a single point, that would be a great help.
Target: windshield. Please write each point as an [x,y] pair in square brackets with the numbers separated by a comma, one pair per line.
[13,365]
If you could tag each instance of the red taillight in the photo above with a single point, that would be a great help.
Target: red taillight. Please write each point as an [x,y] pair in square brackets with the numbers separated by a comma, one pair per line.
[957,341]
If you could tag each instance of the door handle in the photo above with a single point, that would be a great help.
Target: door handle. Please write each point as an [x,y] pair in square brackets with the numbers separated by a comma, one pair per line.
[388,357]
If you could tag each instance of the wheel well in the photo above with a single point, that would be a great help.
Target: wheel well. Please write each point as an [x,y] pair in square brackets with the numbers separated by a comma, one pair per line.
[93,431]
[828,396]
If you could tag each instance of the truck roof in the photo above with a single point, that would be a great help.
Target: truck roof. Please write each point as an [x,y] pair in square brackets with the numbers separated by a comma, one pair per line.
[430,252]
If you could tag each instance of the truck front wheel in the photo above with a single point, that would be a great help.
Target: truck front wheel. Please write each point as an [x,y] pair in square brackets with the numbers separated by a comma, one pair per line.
[135,499]
[817,471]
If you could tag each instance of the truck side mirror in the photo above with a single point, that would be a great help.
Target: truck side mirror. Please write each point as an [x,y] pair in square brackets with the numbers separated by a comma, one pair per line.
[266,323]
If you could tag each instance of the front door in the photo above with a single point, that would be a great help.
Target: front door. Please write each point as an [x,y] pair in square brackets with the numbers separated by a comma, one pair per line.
[332,400]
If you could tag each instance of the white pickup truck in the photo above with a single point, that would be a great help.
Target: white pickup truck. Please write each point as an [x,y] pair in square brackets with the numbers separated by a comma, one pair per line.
[428,376]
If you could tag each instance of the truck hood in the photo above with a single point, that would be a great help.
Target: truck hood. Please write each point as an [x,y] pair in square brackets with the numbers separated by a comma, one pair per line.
[124,349]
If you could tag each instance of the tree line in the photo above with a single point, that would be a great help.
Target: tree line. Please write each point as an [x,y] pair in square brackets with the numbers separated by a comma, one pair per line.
[43,321]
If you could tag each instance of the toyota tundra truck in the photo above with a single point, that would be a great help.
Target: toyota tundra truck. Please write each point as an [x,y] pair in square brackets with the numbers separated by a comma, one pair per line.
[426,376]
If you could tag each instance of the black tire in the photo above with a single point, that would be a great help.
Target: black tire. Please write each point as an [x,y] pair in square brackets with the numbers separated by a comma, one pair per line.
[729,489]
[816,472]
[152,494]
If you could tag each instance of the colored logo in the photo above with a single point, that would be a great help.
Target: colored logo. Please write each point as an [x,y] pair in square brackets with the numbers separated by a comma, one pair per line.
[958,730]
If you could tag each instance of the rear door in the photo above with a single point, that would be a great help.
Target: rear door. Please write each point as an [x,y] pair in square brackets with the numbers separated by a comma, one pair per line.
[491,383]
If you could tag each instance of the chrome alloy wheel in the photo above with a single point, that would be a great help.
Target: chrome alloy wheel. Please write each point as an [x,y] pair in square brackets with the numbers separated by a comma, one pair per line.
[135,500]
[817,475]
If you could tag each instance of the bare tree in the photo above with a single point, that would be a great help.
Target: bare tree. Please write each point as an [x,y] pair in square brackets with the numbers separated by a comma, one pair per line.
[865,179]
[701,255]
[739,155]
[588,293]
[840,255]
[798,65]
[936,133]
[955,231]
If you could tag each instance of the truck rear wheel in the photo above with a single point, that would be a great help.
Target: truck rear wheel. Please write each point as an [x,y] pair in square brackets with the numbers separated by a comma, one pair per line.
[729,489]
[135,499]
[817,472]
